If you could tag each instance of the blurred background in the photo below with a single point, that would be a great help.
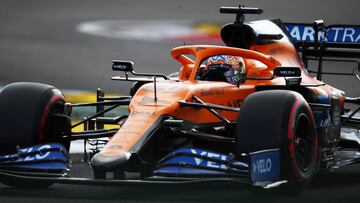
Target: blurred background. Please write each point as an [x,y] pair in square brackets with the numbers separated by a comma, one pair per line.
[70,43]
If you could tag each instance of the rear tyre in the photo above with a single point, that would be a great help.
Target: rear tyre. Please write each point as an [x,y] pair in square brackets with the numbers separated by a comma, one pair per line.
[31,114]
[280,119]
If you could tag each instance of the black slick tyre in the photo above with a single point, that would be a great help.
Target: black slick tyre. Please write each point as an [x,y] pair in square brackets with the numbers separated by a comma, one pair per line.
[280,119]
[31,114]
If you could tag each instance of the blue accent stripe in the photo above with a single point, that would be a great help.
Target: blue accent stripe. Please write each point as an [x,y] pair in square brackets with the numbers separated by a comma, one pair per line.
[188,161]
[335,33]
[43,157]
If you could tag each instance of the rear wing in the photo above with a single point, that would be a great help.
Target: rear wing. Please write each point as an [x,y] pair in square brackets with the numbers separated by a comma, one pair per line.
[329,43]
[326,43]
[340,40]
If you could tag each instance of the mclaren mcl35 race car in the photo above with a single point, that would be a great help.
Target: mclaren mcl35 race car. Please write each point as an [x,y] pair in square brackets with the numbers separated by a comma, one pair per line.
[248,112]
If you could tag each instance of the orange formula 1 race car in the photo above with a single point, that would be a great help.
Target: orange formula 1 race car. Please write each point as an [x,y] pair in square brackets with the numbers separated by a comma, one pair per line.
[247,113]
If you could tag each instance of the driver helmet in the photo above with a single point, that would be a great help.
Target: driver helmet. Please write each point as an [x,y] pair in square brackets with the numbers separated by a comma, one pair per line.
[236,72]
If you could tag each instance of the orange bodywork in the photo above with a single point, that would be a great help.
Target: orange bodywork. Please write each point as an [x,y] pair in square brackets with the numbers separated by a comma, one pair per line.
[260,62]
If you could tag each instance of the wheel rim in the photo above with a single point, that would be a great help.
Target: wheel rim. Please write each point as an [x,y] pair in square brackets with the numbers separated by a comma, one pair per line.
[304,143]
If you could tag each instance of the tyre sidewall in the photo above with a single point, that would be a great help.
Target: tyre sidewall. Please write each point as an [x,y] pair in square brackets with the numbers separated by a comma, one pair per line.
[53,102]
[291,170]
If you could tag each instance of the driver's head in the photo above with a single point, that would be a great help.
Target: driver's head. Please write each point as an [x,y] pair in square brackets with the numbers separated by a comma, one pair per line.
[234,67]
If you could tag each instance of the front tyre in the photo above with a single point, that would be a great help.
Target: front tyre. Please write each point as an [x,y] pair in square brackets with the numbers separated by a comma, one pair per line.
[31,114]
[281,119]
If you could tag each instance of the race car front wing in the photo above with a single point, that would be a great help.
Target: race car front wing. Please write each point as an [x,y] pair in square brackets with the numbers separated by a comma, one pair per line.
[51,163]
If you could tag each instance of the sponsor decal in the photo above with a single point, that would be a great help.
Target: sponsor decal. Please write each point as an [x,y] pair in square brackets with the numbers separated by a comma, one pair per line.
[337,33]
[324,122]
[287,72]
[37,156]
[262,166]
[212,91]
[236,103]
[197,161]
[265,166]
[211,164]
[126,66]
[44,157]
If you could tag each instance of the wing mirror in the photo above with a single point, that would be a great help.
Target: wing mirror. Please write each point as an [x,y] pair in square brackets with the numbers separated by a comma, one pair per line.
[120,65]
[292,75]
[287,72]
